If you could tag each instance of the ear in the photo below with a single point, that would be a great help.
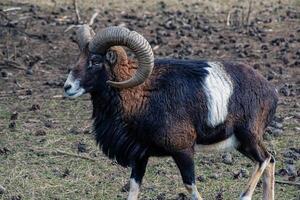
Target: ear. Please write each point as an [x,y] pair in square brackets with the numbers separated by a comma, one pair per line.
[111,57]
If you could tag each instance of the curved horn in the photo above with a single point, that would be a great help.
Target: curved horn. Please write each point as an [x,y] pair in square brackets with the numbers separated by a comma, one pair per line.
[84,35]
[113,36]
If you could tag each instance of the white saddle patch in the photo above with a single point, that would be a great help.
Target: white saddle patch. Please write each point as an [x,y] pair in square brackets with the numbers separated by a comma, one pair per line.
[218,88]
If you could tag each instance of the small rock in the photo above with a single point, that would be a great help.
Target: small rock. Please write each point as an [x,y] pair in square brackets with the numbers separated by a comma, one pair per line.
[245,173]
[275,131]
[237,175]
[242,173]
[277,125]
[297,115]
[227,159]
[215,176]
[285,91]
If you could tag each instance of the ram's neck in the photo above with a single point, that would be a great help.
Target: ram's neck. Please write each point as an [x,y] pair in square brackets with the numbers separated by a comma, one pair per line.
[133,99]
[111,130]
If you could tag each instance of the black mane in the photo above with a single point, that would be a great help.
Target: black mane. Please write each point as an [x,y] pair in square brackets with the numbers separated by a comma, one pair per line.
[111,132]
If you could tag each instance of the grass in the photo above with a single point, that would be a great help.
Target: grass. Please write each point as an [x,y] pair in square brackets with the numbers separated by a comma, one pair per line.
[30,171]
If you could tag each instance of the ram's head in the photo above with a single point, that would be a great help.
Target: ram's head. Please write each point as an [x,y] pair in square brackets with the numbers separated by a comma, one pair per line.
[99,53]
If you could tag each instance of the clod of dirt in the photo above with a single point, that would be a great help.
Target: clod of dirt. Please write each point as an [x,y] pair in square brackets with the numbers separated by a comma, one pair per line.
[18,197]
[4,151]
[227,158]
[292,178]
[161,196]
[14,116]
[125,188]
[48,124]
[28,92]
[201,178]
[35,107]
[242,173]
[289,161]
[219,195]
[2,189]
[286,90]
[256,66]
[282,172]
[291,170]
[40,132]
[81,147]
[12,125]
[87,131]
[29,71]
[65,173]
[292,154]
[4,74]
[182,196]
[74,131]
[297,105]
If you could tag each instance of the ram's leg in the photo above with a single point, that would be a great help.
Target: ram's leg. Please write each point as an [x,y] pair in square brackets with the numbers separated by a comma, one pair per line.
[260,155]
[185,163]
[269,181]
[137,174]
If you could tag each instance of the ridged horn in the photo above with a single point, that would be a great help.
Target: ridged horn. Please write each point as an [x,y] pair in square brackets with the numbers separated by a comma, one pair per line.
[84,35]
[120,36]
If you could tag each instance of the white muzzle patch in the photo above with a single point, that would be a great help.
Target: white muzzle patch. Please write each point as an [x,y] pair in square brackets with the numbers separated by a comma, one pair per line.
[72,87]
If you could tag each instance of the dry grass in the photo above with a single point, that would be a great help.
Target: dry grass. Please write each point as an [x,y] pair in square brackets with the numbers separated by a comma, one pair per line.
[30,171]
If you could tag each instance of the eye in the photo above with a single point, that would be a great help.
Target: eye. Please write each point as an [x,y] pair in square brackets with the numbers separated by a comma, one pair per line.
[94,61]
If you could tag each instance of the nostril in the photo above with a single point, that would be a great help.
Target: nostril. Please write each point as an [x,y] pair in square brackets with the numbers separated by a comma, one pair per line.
[67,87]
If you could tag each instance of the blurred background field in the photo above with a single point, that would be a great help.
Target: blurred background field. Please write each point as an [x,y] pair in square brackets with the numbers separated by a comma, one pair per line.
[47,150]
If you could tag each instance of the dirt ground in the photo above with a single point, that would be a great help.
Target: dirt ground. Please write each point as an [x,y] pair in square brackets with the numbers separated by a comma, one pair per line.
[47,150]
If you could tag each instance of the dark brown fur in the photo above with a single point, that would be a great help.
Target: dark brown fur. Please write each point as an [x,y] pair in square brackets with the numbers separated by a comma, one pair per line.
[167,114]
